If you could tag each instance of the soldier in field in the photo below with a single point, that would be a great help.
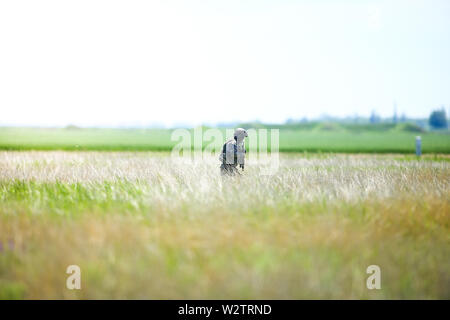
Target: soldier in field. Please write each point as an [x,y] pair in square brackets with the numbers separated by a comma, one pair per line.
[233,153]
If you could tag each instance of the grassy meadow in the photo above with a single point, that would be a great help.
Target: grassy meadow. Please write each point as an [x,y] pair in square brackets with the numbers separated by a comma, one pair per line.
[143,226]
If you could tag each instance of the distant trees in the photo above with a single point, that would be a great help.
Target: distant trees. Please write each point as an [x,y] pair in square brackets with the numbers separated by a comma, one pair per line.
[290,121]
[395,117]
[374,118]
[438,119]
[403,117]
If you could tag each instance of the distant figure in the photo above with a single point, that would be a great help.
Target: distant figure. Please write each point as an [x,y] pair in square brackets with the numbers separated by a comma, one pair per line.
[233,153]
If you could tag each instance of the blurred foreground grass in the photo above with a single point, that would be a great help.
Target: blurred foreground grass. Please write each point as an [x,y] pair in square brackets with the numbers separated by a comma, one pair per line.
[142,226]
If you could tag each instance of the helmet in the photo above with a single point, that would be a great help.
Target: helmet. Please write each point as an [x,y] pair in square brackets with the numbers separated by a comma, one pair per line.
[240,134]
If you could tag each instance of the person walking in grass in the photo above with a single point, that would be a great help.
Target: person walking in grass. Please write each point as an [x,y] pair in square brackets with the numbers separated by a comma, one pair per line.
[233,154]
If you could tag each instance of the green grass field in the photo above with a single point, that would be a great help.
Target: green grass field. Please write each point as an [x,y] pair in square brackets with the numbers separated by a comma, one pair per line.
[142,226]
[342,140]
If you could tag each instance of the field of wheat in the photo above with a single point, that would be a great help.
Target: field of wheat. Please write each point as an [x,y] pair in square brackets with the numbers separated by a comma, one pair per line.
[141,225]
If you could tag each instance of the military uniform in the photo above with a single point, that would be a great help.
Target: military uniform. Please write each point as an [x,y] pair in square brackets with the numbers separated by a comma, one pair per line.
[233,154]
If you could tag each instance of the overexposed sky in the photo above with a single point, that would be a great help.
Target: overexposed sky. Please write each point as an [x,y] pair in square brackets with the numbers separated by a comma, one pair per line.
[107,63]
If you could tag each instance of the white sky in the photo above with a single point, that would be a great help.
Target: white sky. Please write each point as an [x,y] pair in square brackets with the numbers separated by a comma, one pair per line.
[139,62]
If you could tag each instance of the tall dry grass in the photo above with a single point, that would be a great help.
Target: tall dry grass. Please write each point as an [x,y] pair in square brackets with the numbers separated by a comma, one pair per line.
[142,226]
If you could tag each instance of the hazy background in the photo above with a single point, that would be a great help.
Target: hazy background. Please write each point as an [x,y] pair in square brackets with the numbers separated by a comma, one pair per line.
[112,63]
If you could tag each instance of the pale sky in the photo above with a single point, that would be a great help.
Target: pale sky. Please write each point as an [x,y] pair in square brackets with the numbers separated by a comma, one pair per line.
[107,63]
